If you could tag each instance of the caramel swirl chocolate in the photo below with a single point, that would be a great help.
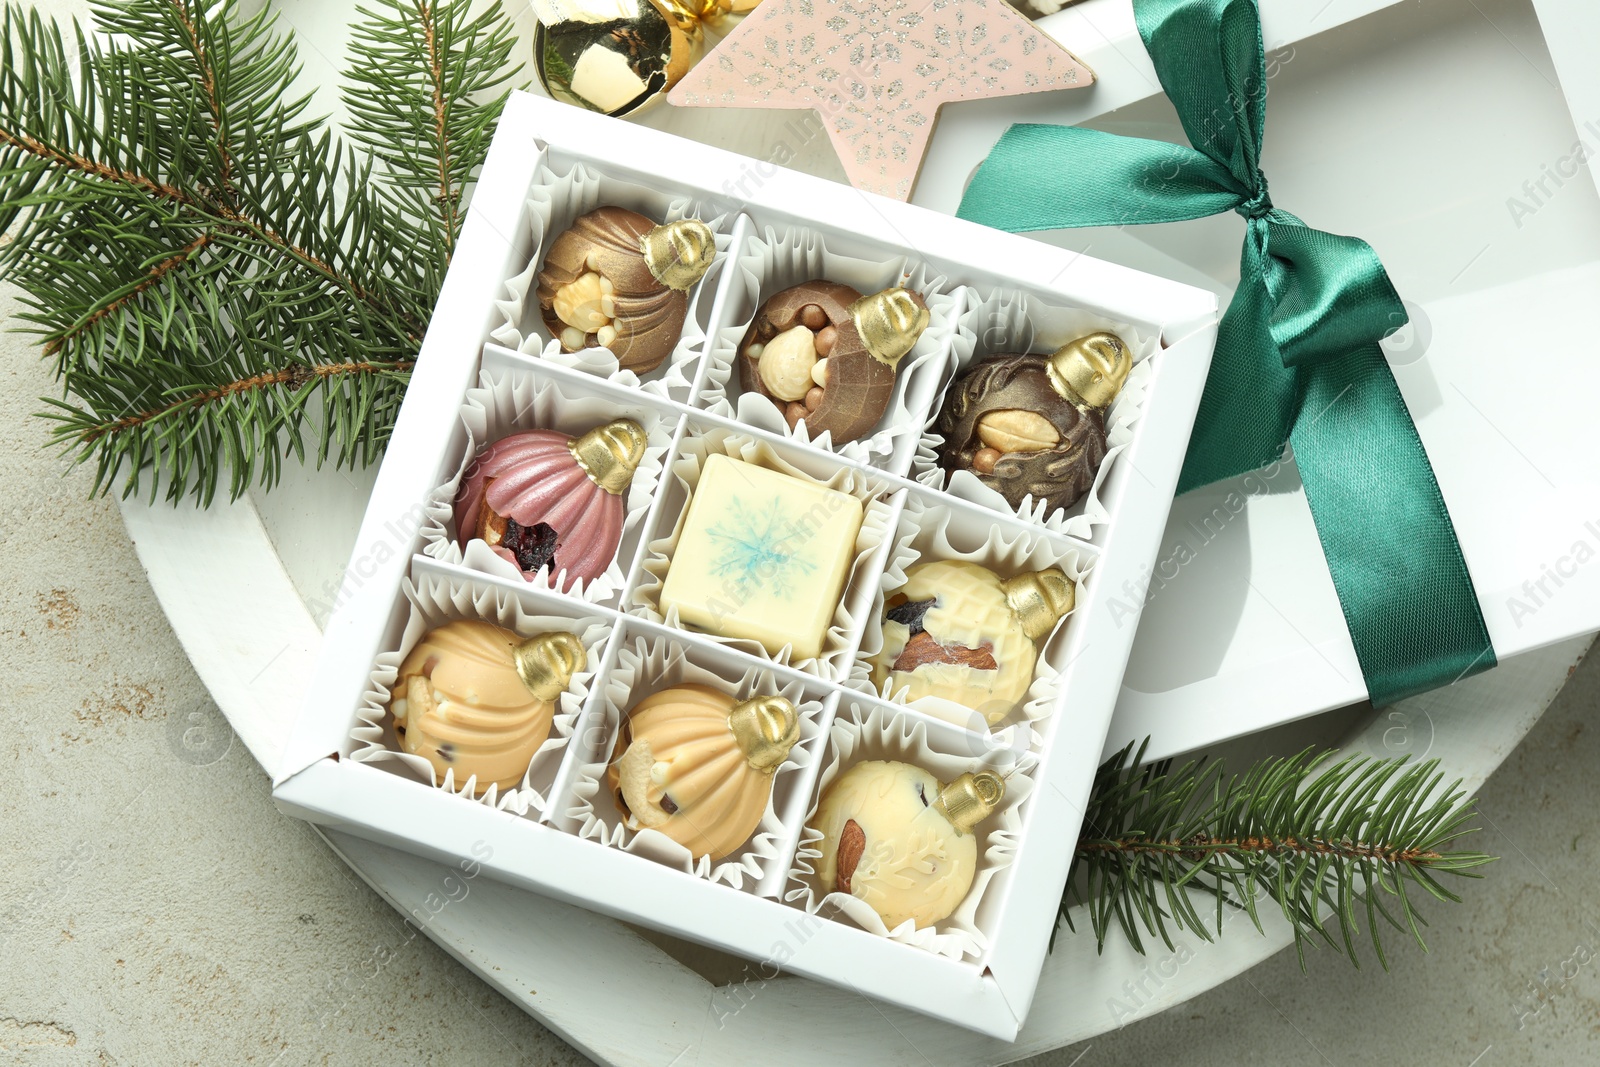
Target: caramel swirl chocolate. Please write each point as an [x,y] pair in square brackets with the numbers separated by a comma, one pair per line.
[616,280]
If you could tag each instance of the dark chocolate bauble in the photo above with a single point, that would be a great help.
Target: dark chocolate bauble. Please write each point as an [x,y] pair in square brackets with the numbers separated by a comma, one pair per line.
[1059,475]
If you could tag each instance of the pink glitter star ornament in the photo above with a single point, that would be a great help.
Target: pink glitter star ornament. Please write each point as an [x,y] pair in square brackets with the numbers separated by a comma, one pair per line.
[877,71]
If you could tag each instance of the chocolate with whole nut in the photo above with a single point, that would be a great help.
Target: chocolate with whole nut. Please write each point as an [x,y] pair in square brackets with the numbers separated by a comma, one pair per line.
[1034,424]
[616,280]
[825,354]
[892,835]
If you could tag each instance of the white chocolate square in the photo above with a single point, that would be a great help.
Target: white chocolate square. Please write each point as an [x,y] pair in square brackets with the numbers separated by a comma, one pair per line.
[762,556]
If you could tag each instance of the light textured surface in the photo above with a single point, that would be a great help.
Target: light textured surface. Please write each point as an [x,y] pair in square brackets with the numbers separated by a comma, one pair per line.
[154,906]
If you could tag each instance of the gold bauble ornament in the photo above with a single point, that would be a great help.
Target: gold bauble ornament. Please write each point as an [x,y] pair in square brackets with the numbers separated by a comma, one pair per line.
[890,323]
[679,253]
[610,454]
[1090,371]
[619,56]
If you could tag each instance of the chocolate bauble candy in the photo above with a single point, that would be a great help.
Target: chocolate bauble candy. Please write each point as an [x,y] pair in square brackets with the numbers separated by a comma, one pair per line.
[895,838]
[958,631]
[825,354]
[616,280]
[548,501]
[1034,425]
[693,764]
[477,699]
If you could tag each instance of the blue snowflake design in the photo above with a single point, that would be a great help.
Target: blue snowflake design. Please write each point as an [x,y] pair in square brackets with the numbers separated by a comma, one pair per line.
[760,553]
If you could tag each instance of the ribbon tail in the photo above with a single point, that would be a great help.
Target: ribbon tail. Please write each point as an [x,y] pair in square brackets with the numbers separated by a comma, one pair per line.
[1407,596]
[1249,403]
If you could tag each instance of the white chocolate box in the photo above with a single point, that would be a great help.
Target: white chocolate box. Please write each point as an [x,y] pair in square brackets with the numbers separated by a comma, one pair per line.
[554,835]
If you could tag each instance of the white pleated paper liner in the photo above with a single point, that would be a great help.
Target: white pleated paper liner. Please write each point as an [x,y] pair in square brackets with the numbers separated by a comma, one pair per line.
[860,581]
[1008,321]
[644,666]
[930,532]
[435,600]
[877,733]
[779,259]
[510,399]
[554,202]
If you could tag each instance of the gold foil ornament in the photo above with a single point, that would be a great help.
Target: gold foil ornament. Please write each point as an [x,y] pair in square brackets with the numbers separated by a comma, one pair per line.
[971,798]
[546,663]
[1091,370]
[956,631]
[618,56]
[890,323]
[895,838]
[766,728]
[479,700]
[1039,600]
[694,765]
[679,253]
[610,454]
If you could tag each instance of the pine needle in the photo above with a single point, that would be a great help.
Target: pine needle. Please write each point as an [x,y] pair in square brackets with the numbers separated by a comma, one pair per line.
[1351,841]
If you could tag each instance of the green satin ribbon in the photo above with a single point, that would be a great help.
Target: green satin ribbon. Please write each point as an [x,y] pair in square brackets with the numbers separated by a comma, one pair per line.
[1297,355]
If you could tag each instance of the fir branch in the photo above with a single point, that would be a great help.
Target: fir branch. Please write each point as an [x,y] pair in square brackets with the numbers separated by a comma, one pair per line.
[1312,837]
[294,377]
[431,130]
[221,281]
[71,161]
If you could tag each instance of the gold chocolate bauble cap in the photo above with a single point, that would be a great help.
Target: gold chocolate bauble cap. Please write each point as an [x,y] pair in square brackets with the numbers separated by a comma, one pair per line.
[1091,370]
[970,799]
[547,662]
[1039,600]
[890,322]
[679,253]
[766,728]
[610,454]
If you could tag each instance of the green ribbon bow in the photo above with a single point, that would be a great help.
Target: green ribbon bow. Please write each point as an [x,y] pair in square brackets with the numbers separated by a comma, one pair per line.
[1297,355]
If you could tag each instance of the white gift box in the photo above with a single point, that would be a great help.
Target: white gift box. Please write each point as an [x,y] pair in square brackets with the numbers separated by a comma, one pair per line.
[1461,164]
[983,975]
